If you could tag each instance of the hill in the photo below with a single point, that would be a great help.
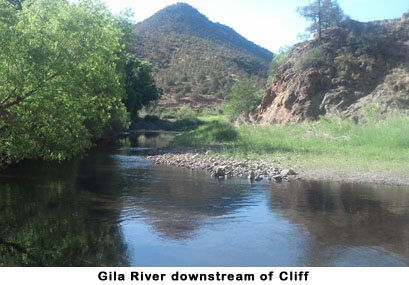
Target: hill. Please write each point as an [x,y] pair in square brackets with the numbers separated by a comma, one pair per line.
[356,68]
[198,61]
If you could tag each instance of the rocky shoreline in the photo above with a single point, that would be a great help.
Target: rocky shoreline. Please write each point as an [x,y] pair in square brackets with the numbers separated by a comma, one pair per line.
[223,168]
[258,170]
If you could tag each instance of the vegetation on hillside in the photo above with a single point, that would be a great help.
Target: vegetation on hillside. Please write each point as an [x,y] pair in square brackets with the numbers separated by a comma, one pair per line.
[198,61]
[63,78]
[182,18]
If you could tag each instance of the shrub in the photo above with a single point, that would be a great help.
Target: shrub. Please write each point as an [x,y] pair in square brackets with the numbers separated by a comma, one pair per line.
[171,114]
[242,100]
[315,57]
[185,112]
[209,112]
[178,96]
[371,114]
[344,63]
[187,89]
[170,81]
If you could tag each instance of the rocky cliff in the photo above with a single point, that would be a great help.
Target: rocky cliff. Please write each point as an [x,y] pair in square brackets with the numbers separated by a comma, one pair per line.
[353,66]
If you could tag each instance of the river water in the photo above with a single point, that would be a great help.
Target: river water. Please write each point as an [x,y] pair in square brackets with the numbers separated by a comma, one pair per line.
[115,208]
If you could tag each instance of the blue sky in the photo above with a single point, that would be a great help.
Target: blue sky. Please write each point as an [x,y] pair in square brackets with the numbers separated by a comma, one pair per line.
[268,23]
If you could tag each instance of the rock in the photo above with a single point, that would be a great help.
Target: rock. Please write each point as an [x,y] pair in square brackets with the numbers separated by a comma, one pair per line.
[286,172]
[302,91]
[278,178]
[224,168]
[291,178]
[220,171]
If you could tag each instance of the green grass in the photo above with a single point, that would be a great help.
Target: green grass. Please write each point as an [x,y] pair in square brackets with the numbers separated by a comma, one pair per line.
[325,143]
[192,123]
[184,124]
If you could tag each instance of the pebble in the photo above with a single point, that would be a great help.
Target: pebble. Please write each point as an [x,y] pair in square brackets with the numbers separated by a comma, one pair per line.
[224,168]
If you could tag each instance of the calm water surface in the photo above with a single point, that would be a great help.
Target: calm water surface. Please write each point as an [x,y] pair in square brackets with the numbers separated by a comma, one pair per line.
[113,207]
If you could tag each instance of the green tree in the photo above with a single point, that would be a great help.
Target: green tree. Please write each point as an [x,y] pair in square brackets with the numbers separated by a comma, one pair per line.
[242,100]
[323,14]
[60,85]
[17,3]
[140,86]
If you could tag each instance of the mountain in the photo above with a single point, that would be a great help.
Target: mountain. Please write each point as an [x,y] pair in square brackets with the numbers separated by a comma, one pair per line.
[198,61]
[355,68]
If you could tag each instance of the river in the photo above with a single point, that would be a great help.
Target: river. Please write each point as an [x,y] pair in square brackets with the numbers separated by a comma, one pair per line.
[115,208]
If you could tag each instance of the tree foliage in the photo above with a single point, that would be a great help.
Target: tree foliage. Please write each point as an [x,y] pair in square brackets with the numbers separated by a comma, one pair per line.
[140,86]
[62,78]
[242,99]
[323,14]
[17,3]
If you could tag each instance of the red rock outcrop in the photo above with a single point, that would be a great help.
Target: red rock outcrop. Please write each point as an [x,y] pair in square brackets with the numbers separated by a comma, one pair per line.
[354,65]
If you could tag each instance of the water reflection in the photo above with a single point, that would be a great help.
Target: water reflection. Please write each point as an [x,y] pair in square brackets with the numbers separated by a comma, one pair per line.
[349,224]
[113,207]
[48,219]
[141,140]
[177,202]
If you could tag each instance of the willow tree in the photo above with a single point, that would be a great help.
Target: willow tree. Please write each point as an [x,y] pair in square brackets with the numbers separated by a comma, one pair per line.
[59,81]
[323,14]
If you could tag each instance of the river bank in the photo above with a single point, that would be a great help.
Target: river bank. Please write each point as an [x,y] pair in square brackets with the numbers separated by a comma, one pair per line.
[222,167]
[276,171]
[331,149]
